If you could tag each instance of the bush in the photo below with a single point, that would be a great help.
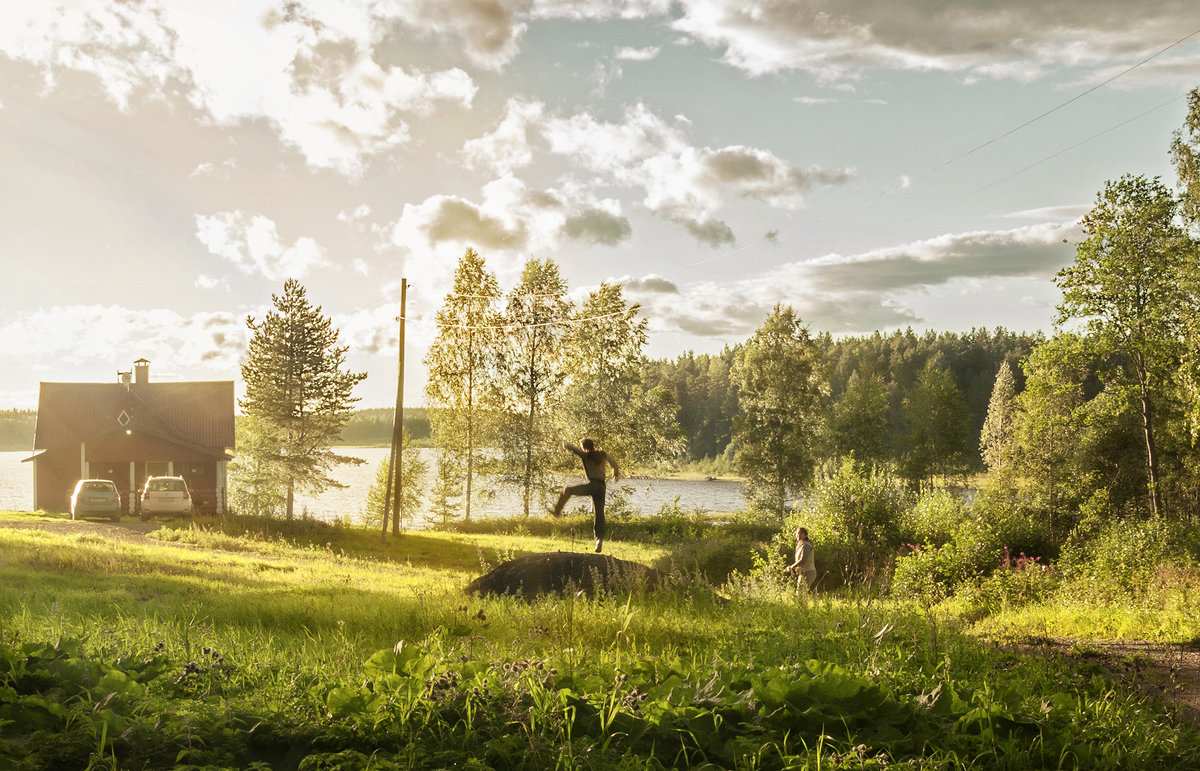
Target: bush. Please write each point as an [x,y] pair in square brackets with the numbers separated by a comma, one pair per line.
[987,534]
[715,557]
[935,517]
[853,518]
[1124,555]
[1022,581]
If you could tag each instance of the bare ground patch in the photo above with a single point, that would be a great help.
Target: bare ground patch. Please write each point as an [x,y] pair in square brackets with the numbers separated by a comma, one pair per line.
[1166,673]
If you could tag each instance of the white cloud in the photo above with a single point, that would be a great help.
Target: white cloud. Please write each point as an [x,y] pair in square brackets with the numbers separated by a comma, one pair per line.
[857,293]
[252,244]
[680,182]
[1019,39]
[506,148]
[644,54]
[110,337]
[312,72]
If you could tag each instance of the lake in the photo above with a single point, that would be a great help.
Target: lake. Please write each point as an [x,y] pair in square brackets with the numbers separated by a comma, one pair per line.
[647,496]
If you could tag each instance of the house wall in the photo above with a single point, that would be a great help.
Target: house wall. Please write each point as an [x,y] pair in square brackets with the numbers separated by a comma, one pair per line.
[127,461]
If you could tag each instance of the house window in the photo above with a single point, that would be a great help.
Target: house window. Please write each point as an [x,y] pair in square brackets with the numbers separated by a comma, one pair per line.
[157,468]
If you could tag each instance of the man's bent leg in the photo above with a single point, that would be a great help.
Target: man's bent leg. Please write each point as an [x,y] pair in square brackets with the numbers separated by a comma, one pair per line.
[566,495]
[598,519]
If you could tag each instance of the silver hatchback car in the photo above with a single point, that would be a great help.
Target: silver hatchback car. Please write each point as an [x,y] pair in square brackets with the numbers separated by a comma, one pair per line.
[95,497]
[165,495]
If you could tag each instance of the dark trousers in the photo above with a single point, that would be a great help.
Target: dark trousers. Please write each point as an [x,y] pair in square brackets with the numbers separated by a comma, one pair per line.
[593,488]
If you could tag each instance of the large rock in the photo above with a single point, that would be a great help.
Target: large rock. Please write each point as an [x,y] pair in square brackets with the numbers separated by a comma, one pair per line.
[564,571]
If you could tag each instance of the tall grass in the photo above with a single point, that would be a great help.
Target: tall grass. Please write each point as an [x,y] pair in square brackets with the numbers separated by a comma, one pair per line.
[214,647]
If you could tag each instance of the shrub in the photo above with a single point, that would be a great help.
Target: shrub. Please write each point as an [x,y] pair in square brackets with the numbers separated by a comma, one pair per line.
[1020,581]
[715,557]
[1124,555]
[935,516]
[853,517]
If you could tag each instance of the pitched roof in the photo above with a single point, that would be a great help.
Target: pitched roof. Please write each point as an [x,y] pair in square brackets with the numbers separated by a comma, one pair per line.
[198,413]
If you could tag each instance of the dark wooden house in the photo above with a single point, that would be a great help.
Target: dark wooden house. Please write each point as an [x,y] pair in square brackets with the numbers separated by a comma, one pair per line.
[129,430]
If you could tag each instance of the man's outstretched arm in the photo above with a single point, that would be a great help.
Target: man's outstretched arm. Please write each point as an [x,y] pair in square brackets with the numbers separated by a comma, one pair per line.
[616,471]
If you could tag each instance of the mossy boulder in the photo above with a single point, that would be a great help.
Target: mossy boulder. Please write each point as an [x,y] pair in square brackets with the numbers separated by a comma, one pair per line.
[563,571]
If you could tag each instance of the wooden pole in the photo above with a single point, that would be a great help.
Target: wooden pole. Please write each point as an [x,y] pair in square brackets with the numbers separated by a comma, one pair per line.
[398,425]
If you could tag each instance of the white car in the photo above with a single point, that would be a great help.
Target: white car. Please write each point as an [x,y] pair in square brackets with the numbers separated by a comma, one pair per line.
[165,495]
[95,497]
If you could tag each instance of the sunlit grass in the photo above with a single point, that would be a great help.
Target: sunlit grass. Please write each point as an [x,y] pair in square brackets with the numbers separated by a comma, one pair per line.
[277,625]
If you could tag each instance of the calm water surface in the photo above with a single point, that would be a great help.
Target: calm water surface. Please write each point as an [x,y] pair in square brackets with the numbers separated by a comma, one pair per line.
[16,490]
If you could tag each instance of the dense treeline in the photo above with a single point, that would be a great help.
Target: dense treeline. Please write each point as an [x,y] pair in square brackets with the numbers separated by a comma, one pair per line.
[16,429]
[372,427]
[708,398]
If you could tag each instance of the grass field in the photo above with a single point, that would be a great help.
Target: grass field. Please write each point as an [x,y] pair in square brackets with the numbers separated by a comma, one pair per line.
[252,644]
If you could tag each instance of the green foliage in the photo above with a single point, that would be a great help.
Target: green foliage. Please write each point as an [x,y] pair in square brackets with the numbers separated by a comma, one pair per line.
[463,385]
[273,656]
[935,516]
[256,477]
[955,547]
[297,392]
[1113,554]
[996,440]
[935,426]
[372,427]
[1128,286]
[533,372]
[779,383]
[858,422]
[605,397]
[16,429]
[853,517]
[412,490]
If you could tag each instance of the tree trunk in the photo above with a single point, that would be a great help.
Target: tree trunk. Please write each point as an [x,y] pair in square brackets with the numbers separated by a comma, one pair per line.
[291,496]
[1151,449]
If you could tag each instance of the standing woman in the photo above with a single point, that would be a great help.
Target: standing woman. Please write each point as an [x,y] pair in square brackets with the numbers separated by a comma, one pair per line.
[805,566]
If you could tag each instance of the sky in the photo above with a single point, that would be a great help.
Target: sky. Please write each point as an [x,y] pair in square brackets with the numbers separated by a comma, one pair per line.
[165,165]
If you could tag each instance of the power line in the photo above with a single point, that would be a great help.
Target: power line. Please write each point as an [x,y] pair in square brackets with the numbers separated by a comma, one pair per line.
[1056,108]
[991,141]
[561,322]
[1026,168]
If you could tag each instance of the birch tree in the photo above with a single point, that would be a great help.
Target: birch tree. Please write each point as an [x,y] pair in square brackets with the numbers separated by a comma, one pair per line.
[462,387]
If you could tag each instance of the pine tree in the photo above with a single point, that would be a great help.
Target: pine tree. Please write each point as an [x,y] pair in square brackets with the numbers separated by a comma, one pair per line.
[996,438]
[935,418]
[298,393]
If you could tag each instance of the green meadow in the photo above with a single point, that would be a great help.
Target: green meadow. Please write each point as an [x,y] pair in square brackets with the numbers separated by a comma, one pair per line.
[260,644]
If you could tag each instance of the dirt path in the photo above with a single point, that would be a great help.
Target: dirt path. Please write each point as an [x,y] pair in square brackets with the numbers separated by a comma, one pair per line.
[125,530]
[1166,673]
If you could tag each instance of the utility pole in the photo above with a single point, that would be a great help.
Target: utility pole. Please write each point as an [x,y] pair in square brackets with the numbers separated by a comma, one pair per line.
[398,426]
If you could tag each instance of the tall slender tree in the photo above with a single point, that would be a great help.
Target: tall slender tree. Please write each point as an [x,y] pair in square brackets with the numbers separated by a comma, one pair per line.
[462,364]
[1127,287]
[534,369]
[858,422]
[935,425]
[780,383]
[605,398]
[996,438]
[298,390]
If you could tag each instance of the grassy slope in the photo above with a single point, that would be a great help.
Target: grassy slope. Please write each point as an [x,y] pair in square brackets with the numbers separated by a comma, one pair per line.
[237,632]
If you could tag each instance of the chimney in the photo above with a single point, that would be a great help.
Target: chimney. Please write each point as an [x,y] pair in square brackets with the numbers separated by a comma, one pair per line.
[141,372]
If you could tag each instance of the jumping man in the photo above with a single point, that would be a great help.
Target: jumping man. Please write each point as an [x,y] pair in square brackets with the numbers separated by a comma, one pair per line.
[593,467]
